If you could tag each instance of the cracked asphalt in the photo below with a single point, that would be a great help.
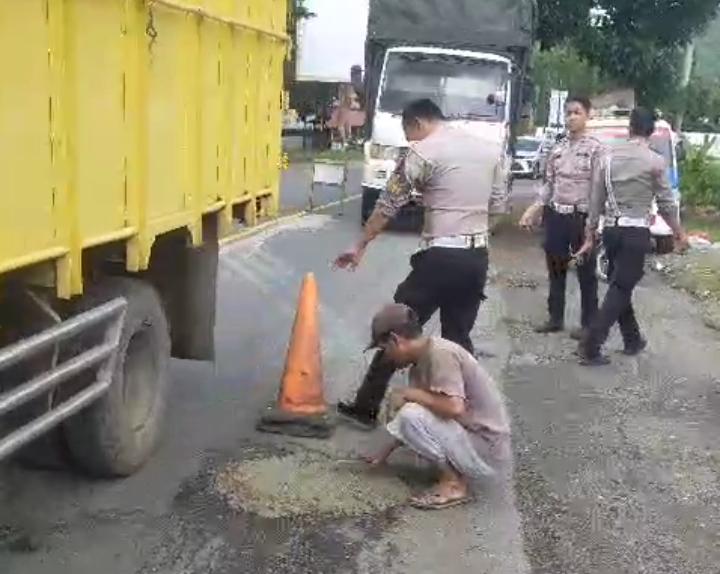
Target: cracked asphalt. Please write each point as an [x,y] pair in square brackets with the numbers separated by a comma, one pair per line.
[616,468]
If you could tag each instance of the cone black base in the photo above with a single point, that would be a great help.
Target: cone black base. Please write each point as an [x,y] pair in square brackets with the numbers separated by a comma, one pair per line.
[310,426]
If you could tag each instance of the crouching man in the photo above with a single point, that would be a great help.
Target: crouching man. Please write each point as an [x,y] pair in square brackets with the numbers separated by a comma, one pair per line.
[452,414]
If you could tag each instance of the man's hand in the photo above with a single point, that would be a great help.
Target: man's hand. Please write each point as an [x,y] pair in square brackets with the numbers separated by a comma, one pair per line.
[586,247]
[531,217]
[350,259]
[379,459]
[376,460]
[398,399]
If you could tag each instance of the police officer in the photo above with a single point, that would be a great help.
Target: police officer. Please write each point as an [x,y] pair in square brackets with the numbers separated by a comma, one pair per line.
[461,179]
[571,173]
[633,175]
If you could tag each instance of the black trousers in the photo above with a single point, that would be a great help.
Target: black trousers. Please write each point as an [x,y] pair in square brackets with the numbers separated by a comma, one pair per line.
[564,235]
[626,248]
[449,280]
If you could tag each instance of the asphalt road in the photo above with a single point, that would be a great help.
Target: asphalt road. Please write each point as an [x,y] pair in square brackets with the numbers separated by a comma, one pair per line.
[616,468]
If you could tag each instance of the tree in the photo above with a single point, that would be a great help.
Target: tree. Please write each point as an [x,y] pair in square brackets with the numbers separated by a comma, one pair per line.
[300,10]
[561,67]
[707,63]
[297,11]
[635,42]
[703,105]
[561,20]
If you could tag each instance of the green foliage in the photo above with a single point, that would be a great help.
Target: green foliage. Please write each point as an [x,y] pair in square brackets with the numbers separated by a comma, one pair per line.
[561,67]
[707,63]
[652,69]
[297,11]
[635,42]
[300,10]
[703,106]
[561,20]
[700,182]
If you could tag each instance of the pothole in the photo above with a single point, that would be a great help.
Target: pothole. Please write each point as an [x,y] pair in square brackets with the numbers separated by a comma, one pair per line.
[307,484]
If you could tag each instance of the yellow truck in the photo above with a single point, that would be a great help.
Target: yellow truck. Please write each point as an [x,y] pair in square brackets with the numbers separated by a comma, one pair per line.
[134,135]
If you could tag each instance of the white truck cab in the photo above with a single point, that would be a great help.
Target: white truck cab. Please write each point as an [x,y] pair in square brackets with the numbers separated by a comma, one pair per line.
[473,90]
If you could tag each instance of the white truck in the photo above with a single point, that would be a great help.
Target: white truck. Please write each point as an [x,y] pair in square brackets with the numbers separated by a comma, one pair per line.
[469,57]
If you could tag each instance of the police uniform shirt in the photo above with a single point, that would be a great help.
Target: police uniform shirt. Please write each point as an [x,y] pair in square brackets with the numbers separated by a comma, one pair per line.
[635,175]
[573,170]
[460,178]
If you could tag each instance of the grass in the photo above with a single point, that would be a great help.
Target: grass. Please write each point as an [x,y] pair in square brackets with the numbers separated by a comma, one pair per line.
[694,221]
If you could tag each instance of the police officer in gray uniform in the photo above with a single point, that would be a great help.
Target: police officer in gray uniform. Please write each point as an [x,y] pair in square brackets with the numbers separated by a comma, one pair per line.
[462,182]
[633,175]
[572,171]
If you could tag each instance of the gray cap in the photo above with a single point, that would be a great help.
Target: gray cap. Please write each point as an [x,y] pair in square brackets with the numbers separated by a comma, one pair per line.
[391,319]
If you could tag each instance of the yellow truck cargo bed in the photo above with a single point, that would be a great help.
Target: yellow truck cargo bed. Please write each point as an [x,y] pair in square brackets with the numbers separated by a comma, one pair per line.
[123,120]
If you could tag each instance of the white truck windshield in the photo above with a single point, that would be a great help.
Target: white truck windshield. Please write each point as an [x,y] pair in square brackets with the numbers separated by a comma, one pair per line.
[464,88]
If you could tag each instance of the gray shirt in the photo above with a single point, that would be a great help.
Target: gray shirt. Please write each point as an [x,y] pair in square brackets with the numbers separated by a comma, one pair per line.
[573,170]
[449,369]
[461,180]
[632,176]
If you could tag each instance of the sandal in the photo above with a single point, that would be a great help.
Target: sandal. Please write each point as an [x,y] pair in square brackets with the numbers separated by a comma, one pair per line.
[437,501]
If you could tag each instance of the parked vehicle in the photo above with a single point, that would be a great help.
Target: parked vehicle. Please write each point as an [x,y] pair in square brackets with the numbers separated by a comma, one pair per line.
[529,158]
[133,135]
[665,142]
[472,62]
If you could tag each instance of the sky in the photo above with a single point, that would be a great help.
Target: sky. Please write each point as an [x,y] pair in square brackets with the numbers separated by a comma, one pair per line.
[333,41]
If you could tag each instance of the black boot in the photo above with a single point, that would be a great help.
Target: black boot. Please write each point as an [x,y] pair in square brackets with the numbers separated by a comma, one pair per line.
[635,348]
[578,334]
[590,356]
[549,327]
[364,410]
[366,420]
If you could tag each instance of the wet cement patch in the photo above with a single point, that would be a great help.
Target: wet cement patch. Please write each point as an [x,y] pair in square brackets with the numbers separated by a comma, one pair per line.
[306,484]
[213,531]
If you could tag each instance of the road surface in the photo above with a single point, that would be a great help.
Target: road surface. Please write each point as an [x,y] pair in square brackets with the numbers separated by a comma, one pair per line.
[616,468]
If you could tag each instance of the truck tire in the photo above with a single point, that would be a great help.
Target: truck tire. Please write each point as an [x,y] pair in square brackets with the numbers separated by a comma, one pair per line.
[117,434]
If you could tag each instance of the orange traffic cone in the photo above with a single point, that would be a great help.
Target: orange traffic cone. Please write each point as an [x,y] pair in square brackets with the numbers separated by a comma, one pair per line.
[301,409]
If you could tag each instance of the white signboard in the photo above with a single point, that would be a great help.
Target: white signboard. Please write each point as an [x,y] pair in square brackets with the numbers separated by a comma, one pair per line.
[556,119]
[333,41]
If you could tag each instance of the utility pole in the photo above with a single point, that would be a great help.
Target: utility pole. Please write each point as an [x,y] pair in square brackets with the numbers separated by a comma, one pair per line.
[688,60]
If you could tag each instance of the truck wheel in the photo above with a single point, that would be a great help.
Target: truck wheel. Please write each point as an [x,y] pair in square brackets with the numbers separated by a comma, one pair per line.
[116,435]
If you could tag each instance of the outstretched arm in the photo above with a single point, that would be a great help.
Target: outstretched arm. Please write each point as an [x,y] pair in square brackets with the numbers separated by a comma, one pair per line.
[411,171]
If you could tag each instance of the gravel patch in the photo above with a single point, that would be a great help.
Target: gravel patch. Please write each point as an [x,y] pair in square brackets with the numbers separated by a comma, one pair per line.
[306,484]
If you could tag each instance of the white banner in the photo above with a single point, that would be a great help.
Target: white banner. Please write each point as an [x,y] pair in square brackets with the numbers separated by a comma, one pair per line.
[333,41]
[556,119]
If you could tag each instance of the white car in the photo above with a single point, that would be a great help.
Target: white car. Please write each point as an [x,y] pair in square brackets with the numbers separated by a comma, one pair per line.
[529,158]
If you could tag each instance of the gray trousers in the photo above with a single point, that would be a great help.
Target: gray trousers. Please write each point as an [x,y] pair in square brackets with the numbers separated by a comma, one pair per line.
[443,442]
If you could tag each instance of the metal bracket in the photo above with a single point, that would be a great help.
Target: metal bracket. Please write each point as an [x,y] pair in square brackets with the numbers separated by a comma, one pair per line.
[101,357]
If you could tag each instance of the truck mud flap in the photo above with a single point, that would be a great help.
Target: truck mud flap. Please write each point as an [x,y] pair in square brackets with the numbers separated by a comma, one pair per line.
[107,321]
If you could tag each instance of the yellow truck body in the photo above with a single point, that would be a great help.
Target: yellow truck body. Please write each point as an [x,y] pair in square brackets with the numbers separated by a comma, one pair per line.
[134,135]
[122,120]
